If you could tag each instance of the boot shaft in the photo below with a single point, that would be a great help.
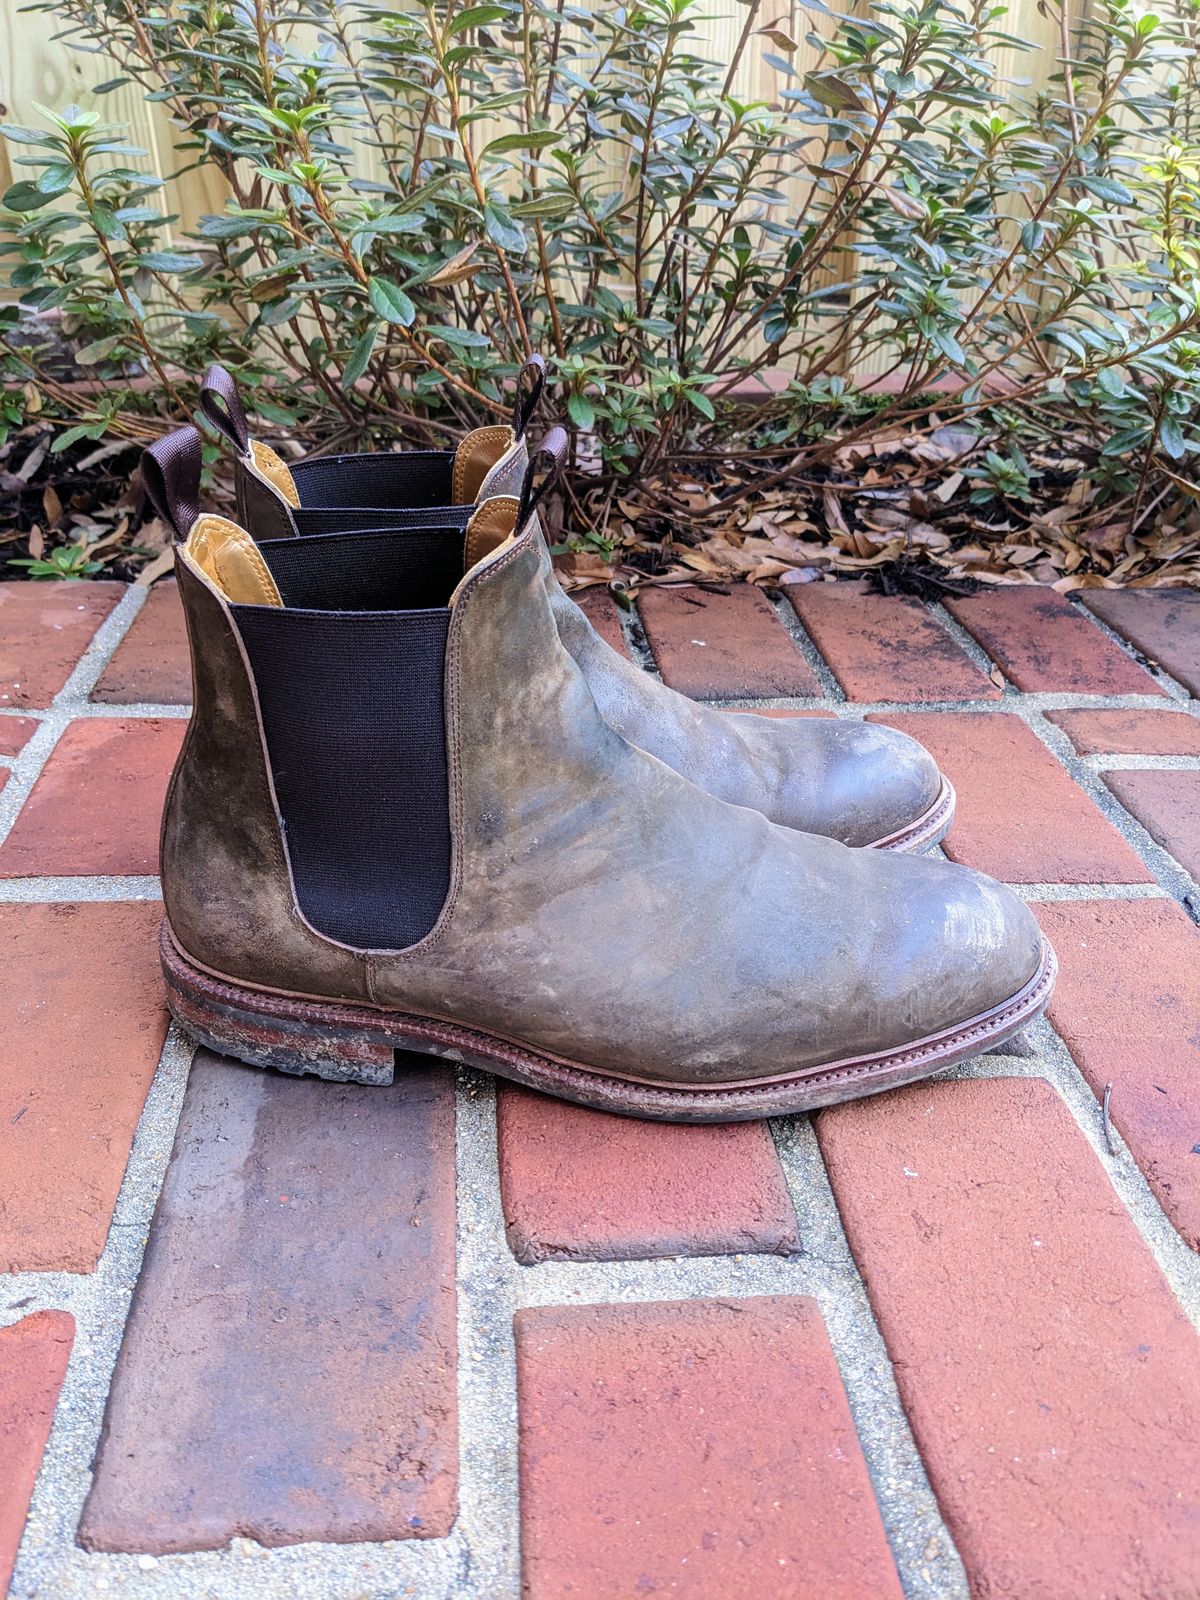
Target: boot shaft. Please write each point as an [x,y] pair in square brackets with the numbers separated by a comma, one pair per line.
[319,737]
[409,489]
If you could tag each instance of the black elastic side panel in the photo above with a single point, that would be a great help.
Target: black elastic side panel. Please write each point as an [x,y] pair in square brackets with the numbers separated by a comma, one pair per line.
[399,478]
[353,715]
[377,570]
[350,519]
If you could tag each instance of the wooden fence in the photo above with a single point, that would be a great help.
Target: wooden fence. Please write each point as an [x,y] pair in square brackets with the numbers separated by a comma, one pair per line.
[36,67]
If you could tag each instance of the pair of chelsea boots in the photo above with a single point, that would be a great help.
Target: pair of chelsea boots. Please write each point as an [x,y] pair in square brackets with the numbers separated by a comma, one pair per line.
[421,805]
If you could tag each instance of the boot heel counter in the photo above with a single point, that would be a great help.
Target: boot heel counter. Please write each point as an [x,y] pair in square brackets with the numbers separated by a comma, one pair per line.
[226,884]
[260,507]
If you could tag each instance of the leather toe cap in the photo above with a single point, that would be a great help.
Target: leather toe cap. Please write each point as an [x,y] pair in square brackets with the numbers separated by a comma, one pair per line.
[875,782]
[975,945]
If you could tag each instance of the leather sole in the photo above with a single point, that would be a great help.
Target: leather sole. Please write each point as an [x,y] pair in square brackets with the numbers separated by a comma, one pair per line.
[929,829]
[355,1043]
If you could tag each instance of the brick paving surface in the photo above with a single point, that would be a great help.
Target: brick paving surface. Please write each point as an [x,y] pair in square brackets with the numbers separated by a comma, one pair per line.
[33,1360]
[884,648]
[593,1187]
[1042,1360]
[436,1341]
[1020,816]
[643,1426]
[84,1022]
[1127,1006]
[44,629]
[13,733]
[1129,733]
[713,646]
[1167,804]
[274,1188]
[1043,643]
[601,611]
[151,662]
[96,805]
[1161,623]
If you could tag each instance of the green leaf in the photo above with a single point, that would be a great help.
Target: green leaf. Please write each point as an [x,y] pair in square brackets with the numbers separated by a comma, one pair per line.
[477,17]
[1111,381]
[281,311]
[229,227]
[83,430]
[98,350]
[521,141]
[360,356]
[1170,436]
[950,347]
[19,135]
[1108,189]
[391,302]
[105,224]
[502,230]
[702,403]
[462,338]
[581,411]
[560,204]
[170,261]
[26,196]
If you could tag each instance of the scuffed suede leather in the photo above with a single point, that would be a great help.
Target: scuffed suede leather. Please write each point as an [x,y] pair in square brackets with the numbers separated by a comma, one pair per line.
[854,781]
[226,884]
[602,909]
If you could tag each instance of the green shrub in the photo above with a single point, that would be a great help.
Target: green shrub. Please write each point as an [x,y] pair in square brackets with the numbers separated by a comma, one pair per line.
[579,178]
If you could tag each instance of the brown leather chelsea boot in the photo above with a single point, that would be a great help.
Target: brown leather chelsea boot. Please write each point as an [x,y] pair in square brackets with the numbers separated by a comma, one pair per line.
[859,782]
[399,828]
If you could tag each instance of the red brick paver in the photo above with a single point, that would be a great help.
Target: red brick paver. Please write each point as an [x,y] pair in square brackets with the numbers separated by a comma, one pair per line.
[1167,804]
[1127,1004]
[731,645]
[84,1023]
[883,647]
[288,1370]
[1130,733]
[33,1362]
[15,733]
[1043,642]
[599,607]
[700,1448]
[1164,624]
[151,663]
[97,805]
[594,1187]
[1020,817]
[1052,1382]
[44,629]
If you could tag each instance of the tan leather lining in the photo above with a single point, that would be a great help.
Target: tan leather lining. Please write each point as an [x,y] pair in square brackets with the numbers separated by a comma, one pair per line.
[475,458]
[231,561]
[490,530]
[275,471]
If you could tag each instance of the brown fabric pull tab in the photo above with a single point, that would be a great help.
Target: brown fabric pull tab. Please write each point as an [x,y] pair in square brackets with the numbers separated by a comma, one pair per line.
[531,386]
[171,476]
[545,467]
[222,406]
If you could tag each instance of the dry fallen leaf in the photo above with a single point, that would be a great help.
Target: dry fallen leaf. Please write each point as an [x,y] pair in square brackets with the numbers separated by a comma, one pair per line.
[163,563]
